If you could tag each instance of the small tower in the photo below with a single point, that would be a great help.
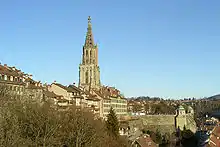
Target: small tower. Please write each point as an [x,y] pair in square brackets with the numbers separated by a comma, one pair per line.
[181,110]
[190,109]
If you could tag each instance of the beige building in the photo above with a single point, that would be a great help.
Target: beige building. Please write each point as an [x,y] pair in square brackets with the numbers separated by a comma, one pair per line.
[73,96]
[76,96]
[19,84]
[56,100]
[33,89]
[111,97]
[12,80]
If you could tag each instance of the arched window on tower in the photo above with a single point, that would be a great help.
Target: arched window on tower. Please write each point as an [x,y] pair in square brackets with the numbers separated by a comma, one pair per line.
[87,53]
[87,77]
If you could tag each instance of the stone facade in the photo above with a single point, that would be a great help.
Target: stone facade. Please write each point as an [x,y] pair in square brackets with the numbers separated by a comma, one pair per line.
[185,119]
[89,73]
[167,123]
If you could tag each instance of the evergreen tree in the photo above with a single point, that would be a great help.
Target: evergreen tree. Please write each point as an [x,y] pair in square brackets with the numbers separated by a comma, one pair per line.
[112,124]
[184,128]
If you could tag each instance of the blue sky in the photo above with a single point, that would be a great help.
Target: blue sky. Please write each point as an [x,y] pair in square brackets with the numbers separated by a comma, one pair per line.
[164,48]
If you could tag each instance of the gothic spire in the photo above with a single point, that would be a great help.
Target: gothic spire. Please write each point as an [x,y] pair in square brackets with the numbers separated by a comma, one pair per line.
[89,42]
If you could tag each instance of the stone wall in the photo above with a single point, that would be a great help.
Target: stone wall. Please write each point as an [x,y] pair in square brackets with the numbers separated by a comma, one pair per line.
[164,123]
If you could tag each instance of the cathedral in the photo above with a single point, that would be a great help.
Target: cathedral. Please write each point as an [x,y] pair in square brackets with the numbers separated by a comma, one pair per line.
[89,72]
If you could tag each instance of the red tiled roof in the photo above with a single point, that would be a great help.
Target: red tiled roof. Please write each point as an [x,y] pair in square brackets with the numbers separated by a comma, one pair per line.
[12,82]
[215,136]
[64,87]
[73,87]
[102,95]
[9,71]
[51,94]
[146,141]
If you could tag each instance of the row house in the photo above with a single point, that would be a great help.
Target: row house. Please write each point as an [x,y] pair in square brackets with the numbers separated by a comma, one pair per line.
[56,100]
[111,97]
[69,94]
[18,83]
[76,96]
[33,89]
[12,80]
[92,102]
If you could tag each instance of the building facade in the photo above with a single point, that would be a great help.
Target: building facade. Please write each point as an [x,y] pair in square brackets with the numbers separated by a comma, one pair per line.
[12,80]
[17,83]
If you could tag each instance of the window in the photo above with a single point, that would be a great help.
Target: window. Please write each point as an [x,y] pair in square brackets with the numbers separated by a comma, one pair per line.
[86,53]
[87,77]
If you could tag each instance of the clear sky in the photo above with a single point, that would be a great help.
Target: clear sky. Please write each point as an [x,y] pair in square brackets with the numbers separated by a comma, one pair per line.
[165,48]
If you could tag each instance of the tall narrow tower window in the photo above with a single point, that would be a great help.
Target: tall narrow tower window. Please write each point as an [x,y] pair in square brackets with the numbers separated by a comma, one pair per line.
[87,77]
[87,53]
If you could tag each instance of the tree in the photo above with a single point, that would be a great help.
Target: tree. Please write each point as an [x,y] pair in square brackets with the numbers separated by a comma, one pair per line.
[112,124]
[147,107]
[137,107]
[27,123]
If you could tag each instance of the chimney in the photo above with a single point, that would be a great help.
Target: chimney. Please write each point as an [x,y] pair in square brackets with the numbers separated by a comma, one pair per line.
[30,76]
[5,65]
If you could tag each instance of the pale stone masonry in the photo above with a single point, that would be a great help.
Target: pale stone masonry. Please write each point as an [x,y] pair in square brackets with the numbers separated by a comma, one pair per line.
[89,73]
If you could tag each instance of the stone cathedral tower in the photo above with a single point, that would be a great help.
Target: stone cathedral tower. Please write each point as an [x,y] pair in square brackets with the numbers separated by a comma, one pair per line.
[89,73]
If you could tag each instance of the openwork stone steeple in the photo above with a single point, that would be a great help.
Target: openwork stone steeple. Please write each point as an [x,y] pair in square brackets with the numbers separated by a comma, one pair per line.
[89,73]
[89,42]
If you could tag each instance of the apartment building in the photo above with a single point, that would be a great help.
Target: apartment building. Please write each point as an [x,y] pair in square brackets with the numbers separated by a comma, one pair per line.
[12,80]
[111,97]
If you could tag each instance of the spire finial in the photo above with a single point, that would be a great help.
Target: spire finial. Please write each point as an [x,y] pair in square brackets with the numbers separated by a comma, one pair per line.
[89,19]
[89,37]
